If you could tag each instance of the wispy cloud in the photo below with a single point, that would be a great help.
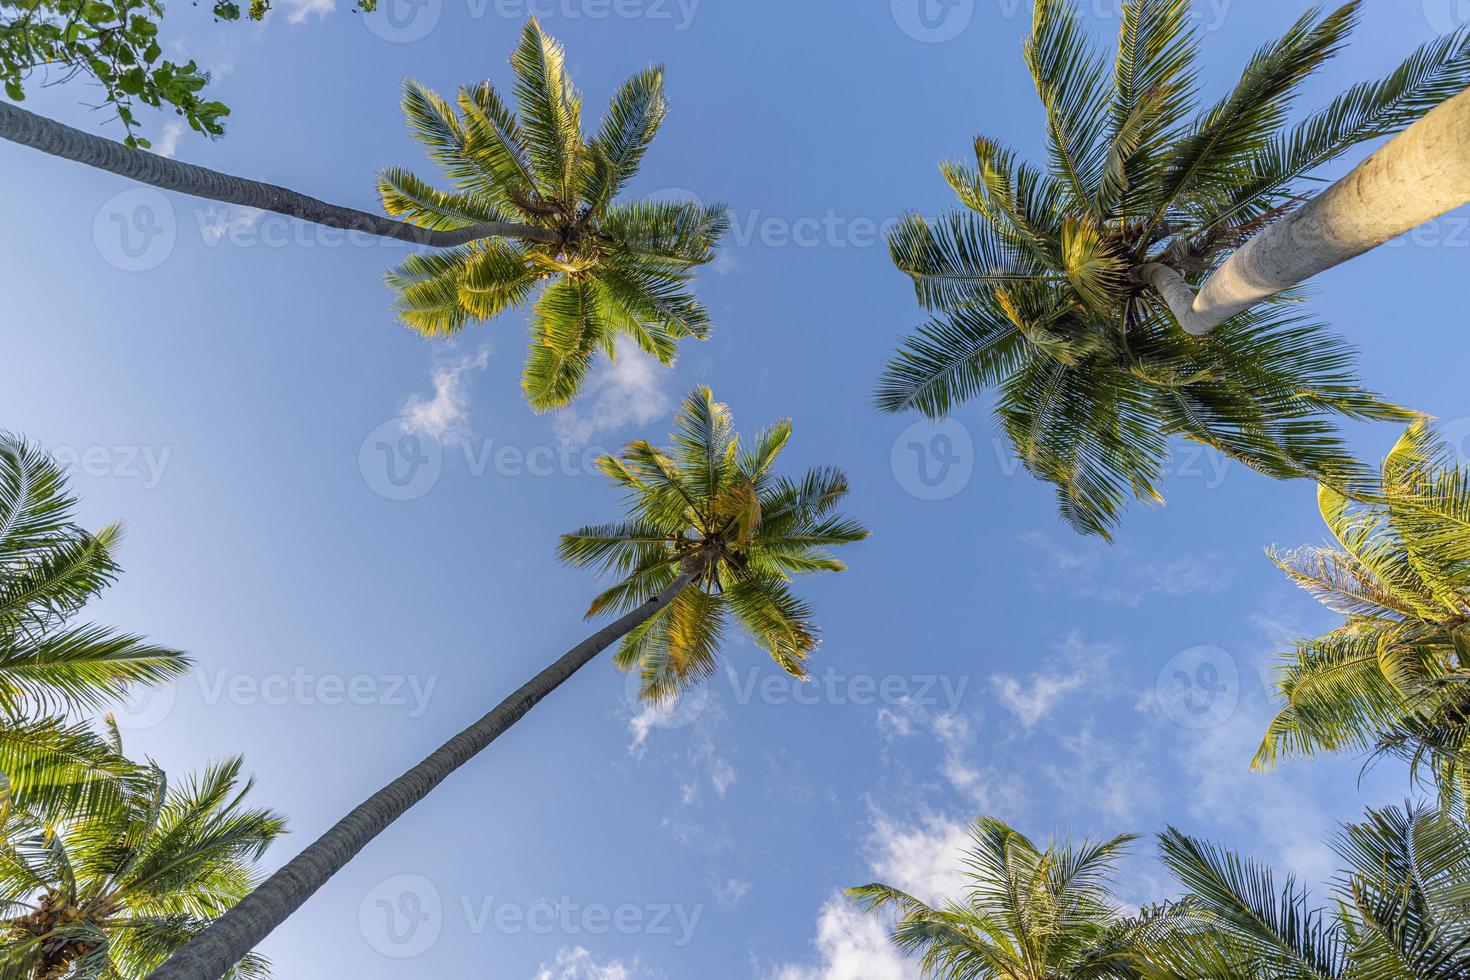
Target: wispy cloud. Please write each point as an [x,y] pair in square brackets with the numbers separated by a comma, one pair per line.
[576,963]
[167,143]
[217,223]
[298,10]
[1113,574]
[730,891]
[446,415]
[619,394]
[1077,666]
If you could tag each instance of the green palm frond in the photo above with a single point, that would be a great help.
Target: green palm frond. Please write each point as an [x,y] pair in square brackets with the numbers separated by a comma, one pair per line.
[712,504]
[1025,913]
[1038,286]
[605,268]
[1391,678]
[111,892]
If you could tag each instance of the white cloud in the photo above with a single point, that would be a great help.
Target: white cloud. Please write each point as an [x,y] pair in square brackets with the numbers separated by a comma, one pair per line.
[217,223]
[1077,666]
[922,859]
[445,417]
[298,10]
[619,394]
[167,143]
[851,946]
[730,891]
[578,964]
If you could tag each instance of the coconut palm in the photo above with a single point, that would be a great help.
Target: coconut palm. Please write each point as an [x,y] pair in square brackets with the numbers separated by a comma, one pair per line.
[50,568]
[711,532]
[110,894]
[1400,909]
[1027,913]
[1040,284]
[605,269]
[535,204]
[1392,678]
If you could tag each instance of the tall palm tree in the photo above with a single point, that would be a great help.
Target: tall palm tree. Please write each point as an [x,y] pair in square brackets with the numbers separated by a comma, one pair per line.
[1393,677]
[710,531]
[110,894]
[50,664]
[1400,909]
[608,269]
[535,204]
[1041,283]
[1027,913]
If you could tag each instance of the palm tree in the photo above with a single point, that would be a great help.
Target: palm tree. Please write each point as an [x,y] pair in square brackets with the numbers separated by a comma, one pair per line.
[1392,678]
[1041,283]
[110,894]
[608,269]
[710,531]
[535,204]
[1026,914]
[1401,907]
[50,568]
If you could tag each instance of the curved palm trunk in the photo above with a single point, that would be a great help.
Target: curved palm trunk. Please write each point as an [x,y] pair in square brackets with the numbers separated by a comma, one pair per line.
[58,139]
[1421,174]
[227,939]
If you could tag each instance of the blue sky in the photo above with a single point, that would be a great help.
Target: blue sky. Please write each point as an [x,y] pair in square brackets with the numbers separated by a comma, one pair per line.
[222,385]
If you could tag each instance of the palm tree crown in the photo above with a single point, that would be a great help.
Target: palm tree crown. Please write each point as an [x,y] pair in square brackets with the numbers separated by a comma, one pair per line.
[110,894]
[1040,283]
[1401,908]
[50,664]
[714,507]
[608,269]
[1027,913]
[1393,677]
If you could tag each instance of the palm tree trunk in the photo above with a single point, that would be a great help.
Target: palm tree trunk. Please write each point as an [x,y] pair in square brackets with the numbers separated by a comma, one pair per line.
[58,139]
[1421,174]
[222,944]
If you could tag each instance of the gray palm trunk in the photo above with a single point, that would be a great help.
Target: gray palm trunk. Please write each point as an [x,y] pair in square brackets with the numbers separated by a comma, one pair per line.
[58,139]
[1421,174]
[226,940]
